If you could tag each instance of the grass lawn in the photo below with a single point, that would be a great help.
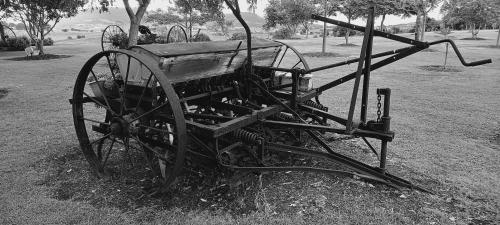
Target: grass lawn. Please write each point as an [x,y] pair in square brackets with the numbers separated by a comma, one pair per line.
[447,140]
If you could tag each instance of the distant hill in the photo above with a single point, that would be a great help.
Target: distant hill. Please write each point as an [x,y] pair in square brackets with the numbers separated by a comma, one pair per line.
[94,20]
[253,20]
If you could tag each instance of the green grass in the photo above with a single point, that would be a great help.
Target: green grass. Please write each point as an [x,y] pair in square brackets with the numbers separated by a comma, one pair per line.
[446,124]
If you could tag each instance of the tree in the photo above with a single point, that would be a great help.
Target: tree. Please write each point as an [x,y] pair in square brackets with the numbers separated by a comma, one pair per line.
[288,14]
[5,12]
[39,17]
[199,12]
[494,8]
[387,7]
[432,24]
[326,8]
[135,19]
[473,13]
[252,5]
[421,8]
[352,9]
[162,17]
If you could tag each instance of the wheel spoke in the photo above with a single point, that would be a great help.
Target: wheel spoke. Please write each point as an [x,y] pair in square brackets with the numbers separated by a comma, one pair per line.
[99,103]
[149,112]
[127,141]
[108,153]
[100,88]
[156,129]
[158,154]
[143,92]
[125,87]
[95,121]
[296,64]
[100,139]
[282,56]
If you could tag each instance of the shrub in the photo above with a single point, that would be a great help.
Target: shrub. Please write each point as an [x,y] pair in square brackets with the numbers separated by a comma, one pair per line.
[70,38]
[396,30]
[18,43]
[201,37]
[283,33]
[145,39]
[65,30]
[48,42]
[119,40]
[238,36]
[341,31]
[162,39]
[80,36]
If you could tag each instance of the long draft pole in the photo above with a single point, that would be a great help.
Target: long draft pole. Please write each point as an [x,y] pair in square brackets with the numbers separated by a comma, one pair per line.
[365,49]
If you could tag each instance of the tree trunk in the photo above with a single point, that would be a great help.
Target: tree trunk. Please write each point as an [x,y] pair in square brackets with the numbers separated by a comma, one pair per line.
[348,31]
[474,31]
[498,37]
[135,19]
[418,25]
[2,33]
[422,29]
[39,44]
[382,23]
[133,33]
[323,48]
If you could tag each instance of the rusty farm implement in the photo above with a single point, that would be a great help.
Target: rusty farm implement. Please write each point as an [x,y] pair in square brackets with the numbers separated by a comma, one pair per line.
[233,104]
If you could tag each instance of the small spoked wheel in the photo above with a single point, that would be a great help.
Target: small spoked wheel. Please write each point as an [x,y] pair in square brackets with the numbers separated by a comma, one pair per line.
[290,58]
[112,38]
[177,33]
[127,112]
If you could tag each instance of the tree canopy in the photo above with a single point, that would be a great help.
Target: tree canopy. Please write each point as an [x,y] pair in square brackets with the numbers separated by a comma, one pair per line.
[288,14]
[40,16]
[473,13]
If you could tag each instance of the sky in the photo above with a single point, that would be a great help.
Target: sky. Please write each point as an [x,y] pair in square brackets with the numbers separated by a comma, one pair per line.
[261,5]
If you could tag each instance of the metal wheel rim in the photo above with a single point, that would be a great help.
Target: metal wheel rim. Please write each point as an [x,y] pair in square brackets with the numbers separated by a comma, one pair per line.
[182,29]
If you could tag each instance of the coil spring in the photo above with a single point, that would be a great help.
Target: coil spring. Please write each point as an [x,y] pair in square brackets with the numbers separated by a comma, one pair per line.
[316,105]
[283,117]
[247,136]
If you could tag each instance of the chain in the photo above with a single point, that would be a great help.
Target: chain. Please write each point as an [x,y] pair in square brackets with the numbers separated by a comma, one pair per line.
[379,105]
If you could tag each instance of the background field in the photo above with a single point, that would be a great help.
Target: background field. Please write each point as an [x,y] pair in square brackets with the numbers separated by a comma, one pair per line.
[447,139]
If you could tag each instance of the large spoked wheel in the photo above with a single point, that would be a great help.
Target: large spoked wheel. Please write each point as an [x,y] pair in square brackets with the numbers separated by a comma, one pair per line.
[177,33]
[111,36]
[131,109]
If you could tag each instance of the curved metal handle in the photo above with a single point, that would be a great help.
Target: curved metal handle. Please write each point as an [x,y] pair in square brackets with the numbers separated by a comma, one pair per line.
[462,60]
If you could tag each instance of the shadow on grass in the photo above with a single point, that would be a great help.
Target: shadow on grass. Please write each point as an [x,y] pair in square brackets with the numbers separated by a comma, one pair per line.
[323,54]
[347,45]
[130,187]
[3,92]
[473,39]
[440,68]
[39,57]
